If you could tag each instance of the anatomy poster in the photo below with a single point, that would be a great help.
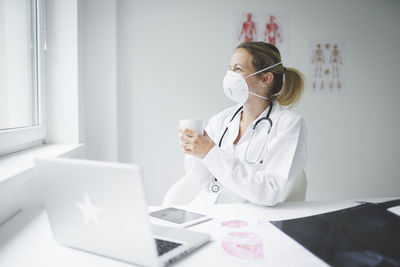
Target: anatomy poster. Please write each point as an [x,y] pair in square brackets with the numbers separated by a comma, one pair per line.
[326,61]
[266,26]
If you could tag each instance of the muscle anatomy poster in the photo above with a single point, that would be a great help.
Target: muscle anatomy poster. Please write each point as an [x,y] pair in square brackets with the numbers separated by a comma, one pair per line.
[270,27]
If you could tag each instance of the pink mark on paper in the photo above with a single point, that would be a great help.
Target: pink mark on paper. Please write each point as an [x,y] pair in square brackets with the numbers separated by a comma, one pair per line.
[234,224]
[243,245]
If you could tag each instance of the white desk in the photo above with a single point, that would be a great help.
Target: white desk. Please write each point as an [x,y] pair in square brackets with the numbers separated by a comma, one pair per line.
[26,240]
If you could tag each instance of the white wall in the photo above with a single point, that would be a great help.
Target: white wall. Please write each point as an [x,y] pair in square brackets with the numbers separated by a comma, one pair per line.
[62,116]
[97,78]
[172,56]
[353,139]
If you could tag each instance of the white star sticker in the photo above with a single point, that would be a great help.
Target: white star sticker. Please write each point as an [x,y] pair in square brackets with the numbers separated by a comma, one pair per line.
[90,211]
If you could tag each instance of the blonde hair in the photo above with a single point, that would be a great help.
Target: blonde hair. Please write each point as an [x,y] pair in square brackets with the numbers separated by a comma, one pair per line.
[288,85]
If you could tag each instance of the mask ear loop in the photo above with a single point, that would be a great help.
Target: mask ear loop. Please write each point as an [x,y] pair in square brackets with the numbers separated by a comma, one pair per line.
[267,68]
[257,72]
[260,96]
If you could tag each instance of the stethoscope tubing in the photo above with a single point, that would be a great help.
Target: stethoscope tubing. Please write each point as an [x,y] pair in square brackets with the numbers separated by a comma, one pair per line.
[215,187]
[226,129]
[255,125]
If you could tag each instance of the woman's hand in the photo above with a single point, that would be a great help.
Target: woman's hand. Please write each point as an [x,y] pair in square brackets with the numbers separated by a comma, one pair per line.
[194,143]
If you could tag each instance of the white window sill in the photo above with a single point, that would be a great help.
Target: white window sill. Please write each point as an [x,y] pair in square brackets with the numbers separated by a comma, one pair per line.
[15,164]
[18,189]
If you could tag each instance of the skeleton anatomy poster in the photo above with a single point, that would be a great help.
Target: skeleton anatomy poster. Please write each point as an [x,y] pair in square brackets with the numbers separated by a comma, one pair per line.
[326,59]
[270,27]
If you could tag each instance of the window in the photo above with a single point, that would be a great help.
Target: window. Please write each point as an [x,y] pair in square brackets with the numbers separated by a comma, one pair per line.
[21,109]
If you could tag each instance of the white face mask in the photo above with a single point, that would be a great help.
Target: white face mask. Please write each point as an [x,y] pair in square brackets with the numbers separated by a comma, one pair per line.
[236,88]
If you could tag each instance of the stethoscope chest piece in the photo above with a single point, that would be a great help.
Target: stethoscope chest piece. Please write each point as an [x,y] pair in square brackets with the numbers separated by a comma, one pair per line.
[215,188]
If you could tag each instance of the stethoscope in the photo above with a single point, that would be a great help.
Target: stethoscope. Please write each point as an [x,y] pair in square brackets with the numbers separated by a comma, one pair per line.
[215,187]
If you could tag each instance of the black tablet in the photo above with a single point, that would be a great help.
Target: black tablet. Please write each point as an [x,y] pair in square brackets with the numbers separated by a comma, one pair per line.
[177,217]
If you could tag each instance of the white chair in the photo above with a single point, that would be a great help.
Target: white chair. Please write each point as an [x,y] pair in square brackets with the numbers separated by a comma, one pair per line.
[299,189]
[183,191]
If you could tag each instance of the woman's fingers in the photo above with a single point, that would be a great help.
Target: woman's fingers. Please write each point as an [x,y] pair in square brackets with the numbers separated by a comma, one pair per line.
[186,135]
[186,139]
[186,148]
[190,141]
[183,146]
[186,131]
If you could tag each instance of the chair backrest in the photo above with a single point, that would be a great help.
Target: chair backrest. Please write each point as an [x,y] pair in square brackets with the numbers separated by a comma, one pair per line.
[183,191]
[299,189]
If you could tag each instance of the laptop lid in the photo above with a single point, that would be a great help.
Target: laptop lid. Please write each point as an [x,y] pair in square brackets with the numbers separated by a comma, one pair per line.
[98,207]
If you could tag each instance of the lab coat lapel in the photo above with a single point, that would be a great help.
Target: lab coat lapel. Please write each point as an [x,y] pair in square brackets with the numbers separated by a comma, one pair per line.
[274,116]
[232,133]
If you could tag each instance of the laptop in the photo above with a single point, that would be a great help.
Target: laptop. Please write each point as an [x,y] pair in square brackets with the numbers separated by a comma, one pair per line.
[100,207]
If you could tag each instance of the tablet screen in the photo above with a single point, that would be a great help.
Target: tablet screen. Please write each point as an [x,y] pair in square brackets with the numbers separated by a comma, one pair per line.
[176,215]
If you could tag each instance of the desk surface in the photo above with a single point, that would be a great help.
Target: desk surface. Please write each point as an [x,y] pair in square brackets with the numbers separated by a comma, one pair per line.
[26,240]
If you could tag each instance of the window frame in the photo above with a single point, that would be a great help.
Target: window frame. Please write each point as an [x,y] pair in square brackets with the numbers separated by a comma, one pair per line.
[17,139]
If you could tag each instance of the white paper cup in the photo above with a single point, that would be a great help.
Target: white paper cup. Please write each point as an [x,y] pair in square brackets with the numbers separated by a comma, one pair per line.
[195,125]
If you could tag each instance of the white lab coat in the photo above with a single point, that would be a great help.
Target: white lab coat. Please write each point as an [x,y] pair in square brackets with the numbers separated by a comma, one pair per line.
[266,182]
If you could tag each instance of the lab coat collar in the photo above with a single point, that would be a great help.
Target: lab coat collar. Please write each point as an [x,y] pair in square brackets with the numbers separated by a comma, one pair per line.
[276,110]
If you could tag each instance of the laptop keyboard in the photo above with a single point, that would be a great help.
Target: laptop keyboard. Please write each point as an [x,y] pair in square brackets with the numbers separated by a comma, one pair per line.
[163,246]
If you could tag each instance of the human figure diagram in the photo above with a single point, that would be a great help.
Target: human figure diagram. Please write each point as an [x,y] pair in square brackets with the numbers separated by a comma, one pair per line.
[272,31]
[335,61]
[318,60]
[248,29]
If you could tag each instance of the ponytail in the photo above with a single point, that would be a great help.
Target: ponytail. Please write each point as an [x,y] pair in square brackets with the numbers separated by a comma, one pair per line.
[292,88]
[288,85]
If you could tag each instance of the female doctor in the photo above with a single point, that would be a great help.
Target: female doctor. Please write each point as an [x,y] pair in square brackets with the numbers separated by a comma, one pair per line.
[253,151]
